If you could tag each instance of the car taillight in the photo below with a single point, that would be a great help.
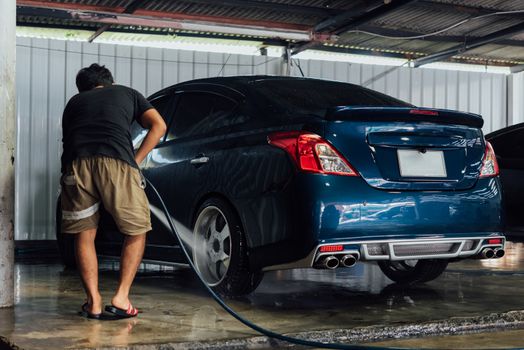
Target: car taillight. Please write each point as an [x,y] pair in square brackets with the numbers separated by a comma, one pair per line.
[423,112]
[490,167]
[312,153]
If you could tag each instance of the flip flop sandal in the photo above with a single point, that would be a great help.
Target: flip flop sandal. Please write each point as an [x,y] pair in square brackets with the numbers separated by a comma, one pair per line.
[122,313]
[101,316]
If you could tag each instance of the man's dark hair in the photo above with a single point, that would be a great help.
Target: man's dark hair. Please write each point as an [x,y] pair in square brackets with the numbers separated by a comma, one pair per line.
[95,75]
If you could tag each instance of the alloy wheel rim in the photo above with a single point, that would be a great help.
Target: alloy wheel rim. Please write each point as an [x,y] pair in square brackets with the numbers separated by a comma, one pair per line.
[212,245]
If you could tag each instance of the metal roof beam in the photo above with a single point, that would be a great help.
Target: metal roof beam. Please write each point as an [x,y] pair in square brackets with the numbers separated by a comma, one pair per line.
[138,19]
[477,42]
[132,7]
[346,21]
[435,38]
[98,32]
[207,35]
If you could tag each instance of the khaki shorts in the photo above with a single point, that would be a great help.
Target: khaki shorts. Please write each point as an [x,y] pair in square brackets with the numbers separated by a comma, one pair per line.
[113,183]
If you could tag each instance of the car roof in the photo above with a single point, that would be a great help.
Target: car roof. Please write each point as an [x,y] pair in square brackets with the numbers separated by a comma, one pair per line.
[239,83]
[504,131]
[242,80]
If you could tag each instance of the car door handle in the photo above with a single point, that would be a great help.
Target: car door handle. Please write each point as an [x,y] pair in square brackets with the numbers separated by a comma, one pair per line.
[200,160]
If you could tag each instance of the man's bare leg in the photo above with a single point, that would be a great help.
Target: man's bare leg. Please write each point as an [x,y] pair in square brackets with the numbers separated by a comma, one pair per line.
[132,253]
[88,267]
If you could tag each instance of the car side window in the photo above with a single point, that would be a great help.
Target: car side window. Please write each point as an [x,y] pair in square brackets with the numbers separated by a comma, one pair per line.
[163,106]
[198,113]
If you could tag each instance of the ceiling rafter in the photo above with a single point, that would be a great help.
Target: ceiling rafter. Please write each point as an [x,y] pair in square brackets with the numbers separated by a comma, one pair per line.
[332,27]
[471,44]
[442,38]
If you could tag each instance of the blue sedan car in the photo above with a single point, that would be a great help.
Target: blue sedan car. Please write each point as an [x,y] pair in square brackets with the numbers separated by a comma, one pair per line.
[267,173]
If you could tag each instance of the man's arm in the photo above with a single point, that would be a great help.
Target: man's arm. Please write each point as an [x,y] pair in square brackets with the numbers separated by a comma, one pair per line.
[153,121]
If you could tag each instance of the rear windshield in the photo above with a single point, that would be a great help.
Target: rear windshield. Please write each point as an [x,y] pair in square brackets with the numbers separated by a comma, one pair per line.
[303,96]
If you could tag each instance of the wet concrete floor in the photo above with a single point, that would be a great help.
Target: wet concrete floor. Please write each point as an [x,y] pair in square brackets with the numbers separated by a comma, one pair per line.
[177,310]
[512,339]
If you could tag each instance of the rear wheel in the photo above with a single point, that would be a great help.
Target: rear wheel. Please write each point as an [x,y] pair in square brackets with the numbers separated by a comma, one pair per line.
[220,250]
[413,271]
[66,242]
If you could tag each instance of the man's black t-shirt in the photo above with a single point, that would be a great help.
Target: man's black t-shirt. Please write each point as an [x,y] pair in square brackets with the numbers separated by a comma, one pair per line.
[98,122]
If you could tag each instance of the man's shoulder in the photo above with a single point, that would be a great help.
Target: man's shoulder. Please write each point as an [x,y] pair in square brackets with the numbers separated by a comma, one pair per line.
[73,100]
[124,88]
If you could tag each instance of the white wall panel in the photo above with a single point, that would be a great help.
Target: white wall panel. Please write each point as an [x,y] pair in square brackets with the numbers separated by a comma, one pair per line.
[138,69]
[37,181]
[154,72]
[23,149]
[46,71]
[73,57]
[440,86]
[122,72]
[500,105]
[201,64]
[107,56]
[170,67]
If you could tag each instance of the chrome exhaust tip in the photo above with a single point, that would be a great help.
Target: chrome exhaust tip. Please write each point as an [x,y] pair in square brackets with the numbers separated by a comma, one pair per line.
[487,253]
[499,253]
[348,260]
[330,262]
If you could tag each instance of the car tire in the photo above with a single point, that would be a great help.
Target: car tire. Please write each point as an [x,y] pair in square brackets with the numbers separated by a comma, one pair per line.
[413,271]
[66,242]
[220,250]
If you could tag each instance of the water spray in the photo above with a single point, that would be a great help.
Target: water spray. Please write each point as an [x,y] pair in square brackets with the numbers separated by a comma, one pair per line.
[232,312]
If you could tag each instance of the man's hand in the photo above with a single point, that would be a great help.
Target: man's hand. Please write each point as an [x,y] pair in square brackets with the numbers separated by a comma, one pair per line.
[153,121]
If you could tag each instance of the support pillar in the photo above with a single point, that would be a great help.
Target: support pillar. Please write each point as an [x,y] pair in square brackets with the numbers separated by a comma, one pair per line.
[286,62]
[7,148]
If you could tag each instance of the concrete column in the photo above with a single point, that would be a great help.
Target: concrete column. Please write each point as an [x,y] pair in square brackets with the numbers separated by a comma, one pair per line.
[7,148]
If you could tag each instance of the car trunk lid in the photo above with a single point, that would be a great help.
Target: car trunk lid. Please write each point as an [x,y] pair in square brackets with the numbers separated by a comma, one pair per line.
[404,148]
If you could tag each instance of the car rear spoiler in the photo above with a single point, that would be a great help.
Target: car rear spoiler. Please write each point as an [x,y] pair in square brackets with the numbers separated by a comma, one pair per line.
[404,114]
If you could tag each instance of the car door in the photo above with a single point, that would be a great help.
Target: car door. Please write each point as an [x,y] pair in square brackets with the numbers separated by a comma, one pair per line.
[177,167]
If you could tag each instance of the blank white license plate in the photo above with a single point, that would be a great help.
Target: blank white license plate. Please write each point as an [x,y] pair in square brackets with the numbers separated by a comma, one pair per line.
[414,163]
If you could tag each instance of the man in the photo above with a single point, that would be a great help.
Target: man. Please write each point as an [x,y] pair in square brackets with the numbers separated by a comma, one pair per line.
[99,167]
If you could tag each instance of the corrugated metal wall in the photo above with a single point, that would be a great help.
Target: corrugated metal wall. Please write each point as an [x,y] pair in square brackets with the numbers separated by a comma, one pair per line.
[46,71]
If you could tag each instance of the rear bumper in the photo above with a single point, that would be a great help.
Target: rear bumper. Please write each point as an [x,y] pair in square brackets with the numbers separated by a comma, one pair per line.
[315,210]
[347,211]
[406,249]
[339,208]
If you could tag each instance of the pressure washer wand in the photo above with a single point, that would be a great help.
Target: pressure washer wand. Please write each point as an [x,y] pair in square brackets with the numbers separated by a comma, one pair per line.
[246,322]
